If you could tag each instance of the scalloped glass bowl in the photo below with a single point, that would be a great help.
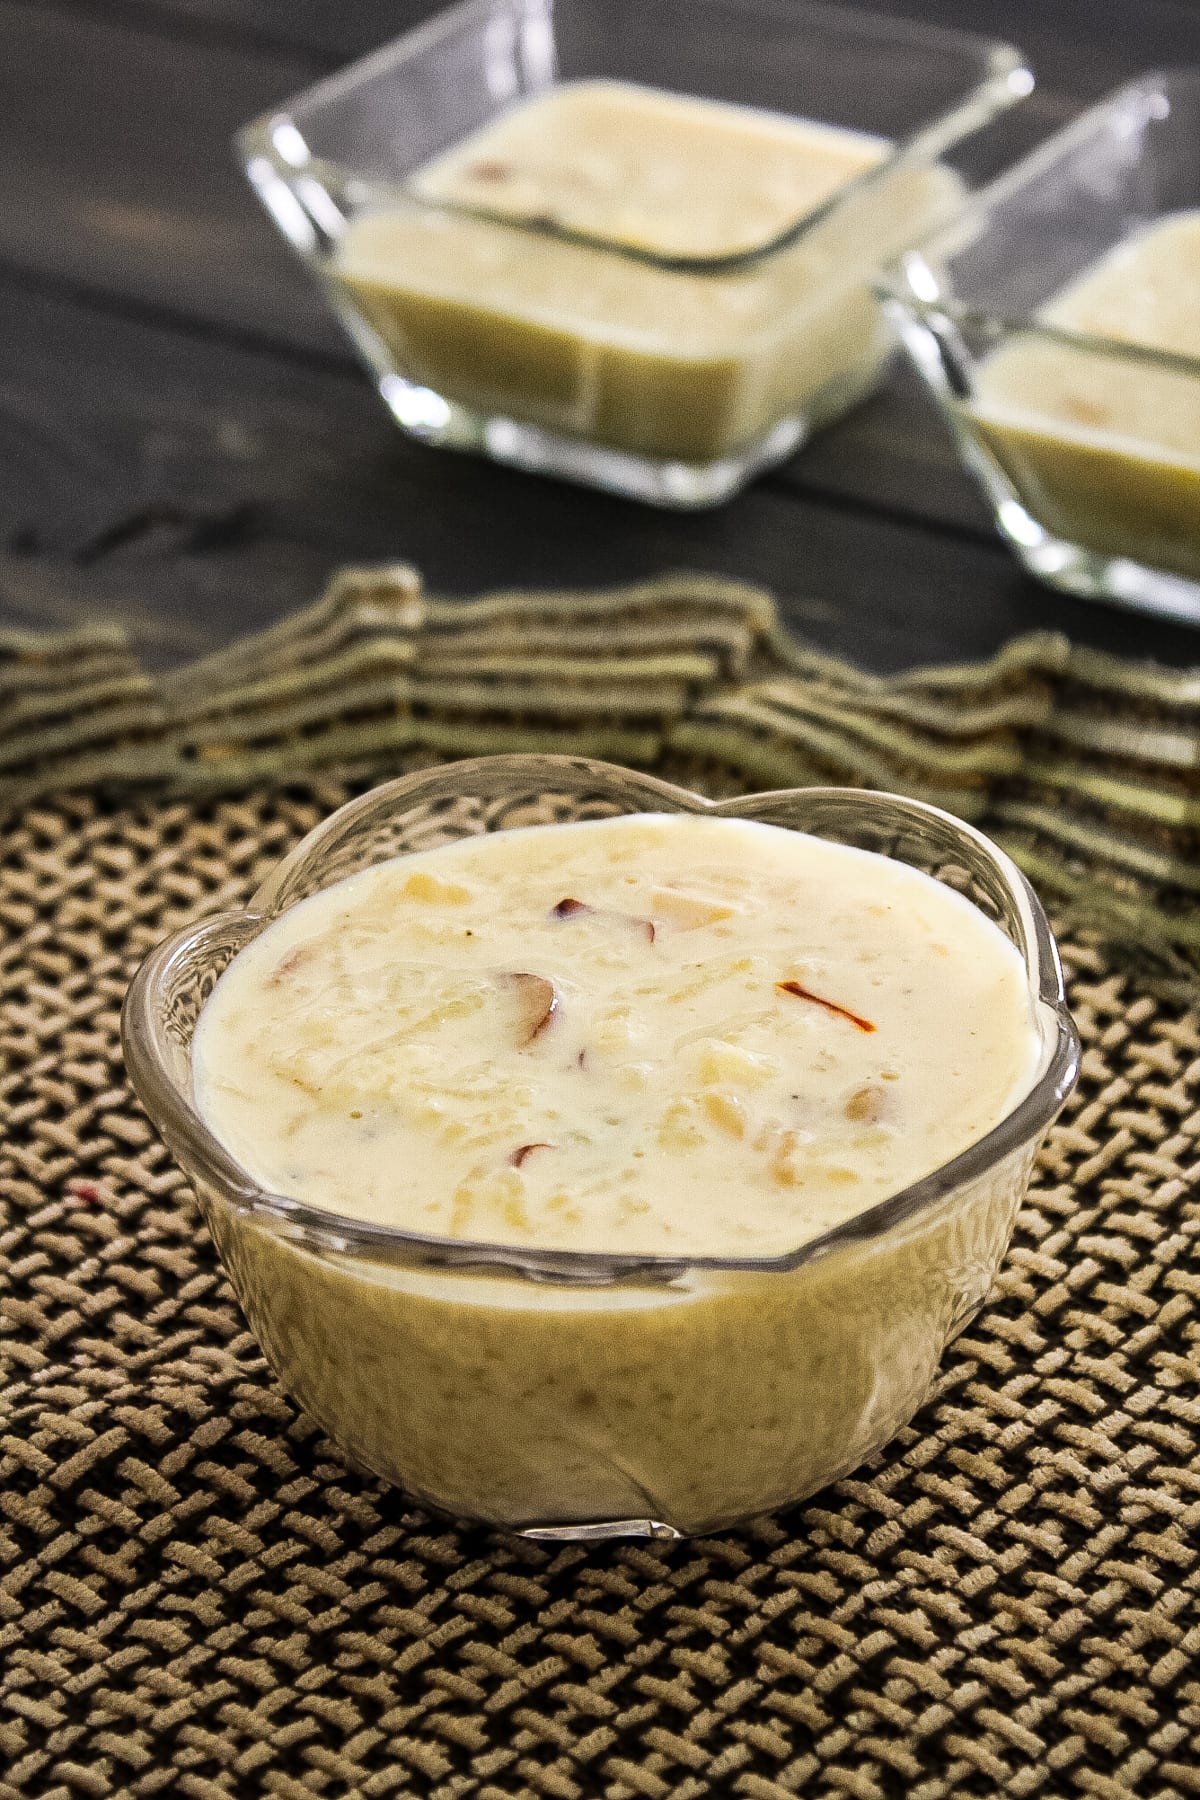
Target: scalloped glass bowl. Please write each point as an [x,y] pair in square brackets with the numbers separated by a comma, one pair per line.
[578,1395]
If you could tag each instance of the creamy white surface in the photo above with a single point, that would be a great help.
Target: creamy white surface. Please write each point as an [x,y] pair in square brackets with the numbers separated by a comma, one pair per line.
[668,173]
[381,1049]
[1144,292]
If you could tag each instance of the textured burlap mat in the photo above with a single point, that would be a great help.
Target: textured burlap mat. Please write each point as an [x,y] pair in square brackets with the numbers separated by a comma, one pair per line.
[198,1598]
[1085,767]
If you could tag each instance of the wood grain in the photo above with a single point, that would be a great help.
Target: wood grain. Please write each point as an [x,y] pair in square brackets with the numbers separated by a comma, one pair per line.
[197,489]
[1078,47]
[116,147]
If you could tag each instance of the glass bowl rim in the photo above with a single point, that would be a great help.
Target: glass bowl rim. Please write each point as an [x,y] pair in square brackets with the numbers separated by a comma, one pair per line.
[1005,78]
[911,281]
[199,1151]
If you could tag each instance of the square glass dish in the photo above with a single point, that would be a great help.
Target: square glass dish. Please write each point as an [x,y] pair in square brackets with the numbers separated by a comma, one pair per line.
[1058,327]
[622,244]
[578,1394]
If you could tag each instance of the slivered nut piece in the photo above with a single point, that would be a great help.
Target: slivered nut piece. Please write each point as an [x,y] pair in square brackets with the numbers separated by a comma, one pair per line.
[789,1165]
[680,1128]
[688,912]
[422,885]
[718,1062]
[537,1004]
[523,1151]
[866,1105]
[570,908]
[725,1110]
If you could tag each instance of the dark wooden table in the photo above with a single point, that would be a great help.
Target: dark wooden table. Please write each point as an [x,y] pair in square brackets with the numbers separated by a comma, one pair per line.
[187,444]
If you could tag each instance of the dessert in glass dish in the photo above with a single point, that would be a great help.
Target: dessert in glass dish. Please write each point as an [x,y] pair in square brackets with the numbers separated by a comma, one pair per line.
[629,246]
[592,1160]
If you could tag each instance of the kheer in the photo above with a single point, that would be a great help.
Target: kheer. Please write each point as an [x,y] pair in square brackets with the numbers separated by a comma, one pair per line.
[681,1037]
[662,1036]
[1105,449]
[627,266]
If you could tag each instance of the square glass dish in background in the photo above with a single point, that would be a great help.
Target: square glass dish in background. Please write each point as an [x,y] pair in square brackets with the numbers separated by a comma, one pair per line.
[1086,444]
[656,369]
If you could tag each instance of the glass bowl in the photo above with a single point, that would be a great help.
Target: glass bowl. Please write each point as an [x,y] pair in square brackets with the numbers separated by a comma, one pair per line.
[577,1395]
[669,377]
[1087,447]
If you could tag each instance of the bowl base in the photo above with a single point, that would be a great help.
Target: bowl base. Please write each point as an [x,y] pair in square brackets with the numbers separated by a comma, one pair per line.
[1091,575]
[682,486]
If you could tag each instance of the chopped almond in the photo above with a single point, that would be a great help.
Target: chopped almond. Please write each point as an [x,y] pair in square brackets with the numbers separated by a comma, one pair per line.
[421,885]
[537,1004]
[866,1105]
[725,1110]
[570,908]
[687,912]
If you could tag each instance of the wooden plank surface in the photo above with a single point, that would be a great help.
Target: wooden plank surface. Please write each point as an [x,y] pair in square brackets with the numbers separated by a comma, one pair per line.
[116,145]
[217,486]
[184,437]
[1077,46]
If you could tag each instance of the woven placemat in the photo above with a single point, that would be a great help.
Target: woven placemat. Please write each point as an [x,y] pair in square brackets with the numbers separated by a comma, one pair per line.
[199,1598]
[1086,767]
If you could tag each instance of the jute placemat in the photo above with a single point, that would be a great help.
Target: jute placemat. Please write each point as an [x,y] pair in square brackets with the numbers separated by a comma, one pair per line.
[198,1598]
[1086,767]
